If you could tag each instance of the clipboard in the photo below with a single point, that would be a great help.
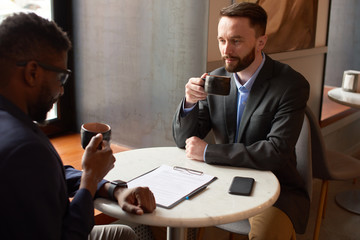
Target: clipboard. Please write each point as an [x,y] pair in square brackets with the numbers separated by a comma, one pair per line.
[172,185]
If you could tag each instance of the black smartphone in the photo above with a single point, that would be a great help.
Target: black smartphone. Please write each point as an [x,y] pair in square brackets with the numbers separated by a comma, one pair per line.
[241,186]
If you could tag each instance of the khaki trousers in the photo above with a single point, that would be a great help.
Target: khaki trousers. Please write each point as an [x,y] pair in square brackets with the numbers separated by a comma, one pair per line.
[272,224]
[112,232]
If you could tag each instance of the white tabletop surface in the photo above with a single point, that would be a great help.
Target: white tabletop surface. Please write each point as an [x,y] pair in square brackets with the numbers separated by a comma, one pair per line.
[351,99]
[213,206]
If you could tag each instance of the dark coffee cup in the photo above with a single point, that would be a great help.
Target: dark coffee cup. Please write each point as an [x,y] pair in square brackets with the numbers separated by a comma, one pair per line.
[217,85]
[89,130]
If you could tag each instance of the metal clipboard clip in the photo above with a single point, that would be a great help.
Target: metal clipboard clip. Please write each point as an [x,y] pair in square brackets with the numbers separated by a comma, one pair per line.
[188,170]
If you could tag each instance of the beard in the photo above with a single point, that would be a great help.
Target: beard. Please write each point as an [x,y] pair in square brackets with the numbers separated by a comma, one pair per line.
[241,63]
[38,112]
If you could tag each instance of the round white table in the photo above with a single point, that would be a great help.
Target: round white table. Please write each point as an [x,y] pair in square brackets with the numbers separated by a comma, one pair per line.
[211,207]
[350,200]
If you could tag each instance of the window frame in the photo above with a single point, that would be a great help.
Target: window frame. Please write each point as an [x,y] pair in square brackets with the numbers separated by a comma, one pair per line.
[65,121]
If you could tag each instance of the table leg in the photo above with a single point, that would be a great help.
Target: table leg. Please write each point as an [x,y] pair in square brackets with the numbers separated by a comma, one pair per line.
[350,200]
[174,233]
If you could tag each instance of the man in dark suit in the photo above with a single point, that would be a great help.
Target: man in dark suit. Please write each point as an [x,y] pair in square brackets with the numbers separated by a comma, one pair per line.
[257,124]
[35,185]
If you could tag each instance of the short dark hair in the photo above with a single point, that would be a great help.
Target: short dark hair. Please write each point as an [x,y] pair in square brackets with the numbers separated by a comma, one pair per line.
[25,37]
[254,12]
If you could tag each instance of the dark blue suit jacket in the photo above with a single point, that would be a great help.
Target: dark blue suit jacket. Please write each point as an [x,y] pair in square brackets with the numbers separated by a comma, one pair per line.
[35,186]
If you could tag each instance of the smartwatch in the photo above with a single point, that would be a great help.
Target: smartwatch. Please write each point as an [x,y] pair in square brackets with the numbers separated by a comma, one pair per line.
[113,185]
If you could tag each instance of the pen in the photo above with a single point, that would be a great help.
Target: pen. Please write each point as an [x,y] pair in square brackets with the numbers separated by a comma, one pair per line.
[195,192]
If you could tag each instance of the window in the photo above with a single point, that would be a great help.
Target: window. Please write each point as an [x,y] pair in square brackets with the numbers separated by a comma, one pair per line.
[40,7]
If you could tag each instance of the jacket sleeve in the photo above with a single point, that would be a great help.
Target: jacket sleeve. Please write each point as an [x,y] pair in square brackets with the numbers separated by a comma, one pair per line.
[79,219]
[195,123]
[73,177]
[36,200]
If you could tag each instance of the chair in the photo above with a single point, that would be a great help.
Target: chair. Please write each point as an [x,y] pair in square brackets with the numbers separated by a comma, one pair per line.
[328,165]
[304,166]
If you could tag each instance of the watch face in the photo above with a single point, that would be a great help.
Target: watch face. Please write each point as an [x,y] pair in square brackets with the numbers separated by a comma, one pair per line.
[119,183]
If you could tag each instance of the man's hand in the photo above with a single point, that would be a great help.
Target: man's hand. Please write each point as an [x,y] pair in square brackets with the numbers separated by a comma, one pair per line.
[195,148]
[194,91]
[137,200]
[96,163]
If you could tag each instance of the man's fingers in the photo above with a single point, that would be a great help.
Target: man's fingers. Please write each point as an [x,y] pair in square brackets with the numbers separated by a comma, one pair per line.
[204,75]
[138,201]
[145,199]
[95,141]
[127,207]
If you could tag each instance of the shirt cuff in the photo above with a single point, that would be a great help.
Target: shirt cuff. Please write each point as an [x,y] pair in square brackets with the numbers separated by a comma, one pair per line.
[185,111]
[205,151]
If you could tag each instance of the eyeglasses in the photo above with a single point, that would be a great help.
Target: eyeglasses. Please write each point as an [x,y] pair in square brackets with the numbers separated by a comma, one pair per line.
[63,74]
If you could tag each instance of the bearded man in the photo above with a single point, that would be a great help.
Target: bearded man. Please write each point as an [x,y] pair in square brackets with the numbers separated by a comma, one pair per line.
[257,125]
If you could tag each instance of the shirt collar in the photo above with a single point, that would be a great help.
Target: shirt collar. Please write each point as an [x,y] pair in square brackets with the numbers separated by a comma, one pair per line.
[250,82]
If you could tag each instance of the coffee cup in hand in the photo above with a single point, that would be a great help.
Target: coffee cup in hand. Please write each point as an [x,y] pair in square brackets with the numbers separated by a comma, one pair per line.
[217,85]
[89,130]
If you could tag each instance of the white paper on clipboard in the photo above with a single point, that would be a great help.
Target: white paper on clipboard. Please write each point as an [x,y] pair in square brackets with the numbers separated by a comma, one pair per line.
[171,185]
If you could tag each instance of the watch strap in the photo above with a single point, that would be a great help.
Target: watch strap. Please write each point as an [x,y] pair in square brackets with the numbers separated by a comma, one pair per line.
[113,185]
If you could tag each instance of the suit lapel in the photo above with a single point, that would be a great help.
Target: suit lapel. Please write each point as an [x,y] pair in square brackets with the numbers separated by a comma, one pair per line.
[257,92]
[230,106]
